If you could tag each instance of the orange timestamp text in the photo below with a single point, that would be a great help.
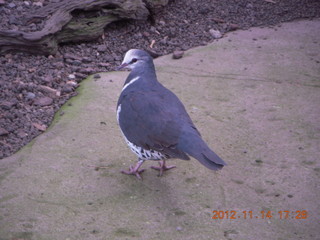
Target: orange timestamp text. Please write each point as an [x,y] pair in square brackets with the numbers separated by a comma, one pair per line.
[282,214]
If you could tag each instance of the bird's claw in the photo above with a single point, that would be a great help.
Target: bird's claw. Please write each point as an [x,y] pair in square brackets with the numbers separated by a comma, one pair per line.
[162,167]
[134,171]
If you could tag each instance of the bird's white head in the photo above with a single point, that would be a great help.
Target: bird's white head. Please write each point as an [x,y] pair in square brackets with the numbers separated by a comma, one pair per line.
[134,58]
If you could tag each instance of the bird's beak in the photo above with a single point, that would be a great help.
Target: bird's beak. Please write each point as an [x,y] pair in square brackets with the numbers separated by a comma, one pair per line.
[122,66]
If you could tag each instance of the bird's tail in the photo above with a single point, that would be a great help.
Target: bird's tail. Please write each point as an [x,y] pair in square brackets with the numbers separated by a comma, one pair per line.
[192,144]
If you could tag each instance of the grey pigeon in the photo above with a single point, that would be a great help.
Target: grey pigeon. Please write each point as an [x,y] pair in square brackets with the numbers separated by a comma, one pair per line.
[154,122]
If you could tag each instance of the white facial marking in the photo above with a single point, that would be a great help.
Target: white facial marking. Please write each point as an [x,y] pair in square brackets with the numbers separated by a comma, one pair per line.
[118,112]
[132,81]
[129,56]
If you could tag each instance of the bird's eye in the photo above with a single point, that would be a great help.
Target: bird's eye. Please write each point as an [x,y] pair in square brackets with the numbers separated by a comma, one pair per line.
[134,60]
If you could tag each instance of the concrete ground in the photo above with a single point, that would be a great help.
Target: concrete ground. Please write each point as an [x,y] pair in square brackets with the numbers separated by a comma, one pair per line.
[255,97]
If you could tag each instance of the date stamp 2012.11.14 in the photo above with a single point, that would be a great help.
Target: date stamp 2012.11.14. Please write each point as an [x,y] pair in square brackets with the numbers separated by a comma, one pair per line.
[282,214]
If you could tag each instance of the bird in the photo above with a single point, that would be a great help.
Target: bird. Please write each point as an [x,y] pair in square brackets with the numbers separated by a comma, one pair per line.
[154,122]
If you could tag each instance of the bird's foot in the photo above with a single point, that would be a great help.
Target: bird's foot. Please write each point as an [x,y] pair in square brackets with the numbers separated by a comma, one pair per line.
[162,167]
[135,170]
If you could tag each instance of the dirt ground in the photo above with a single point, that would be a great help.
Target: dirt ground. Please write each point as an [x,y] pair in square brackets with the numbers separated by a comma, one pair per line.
[254,96]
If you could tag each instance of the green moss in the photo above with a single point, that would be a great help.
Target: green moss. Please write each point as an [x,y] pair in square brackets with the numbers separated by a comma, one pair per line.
[122,232]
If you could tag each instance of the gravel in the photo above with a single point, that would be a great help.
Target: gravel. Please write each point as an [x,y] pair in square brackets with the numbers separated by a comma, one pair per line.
[33,88]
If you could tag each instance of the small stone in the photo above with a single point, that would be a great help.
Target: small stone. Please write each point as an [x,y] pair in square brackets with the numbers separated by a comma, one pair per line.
[47,79]
[67,88]
[71,56]
[179,228]
[102,48]
[108,58]
[177,54]
[2,2]
[96,76]
[11,5]
[21,133]
[86,60]
[76,62]
[43,101]
[26,3]
[87,70]
[38,4]
[215,33]
[71,76]
[7,105]
[104,64]
[58,65]
[233,27]
[30,96]
[52,93]
[80,76]
[117,57]
[3,131]
[12,20]
[146,34]
[72,83]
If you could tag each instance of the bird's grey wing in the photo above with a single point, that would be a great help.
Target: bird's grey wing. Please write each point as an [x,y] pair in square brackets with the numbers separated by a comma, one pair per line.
[153,121]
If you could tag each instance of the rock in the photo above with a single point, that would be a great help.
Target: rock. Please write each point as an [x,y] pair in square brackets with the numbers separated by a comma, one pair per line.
[13,20]
[215,33]
[177,54]
[146,34]
[67,88]
[71,56]
[80,75]
[87,70]
[21,134]
[2,2]
[233,27]
[96,76]
[30,96]
[72,83]
[179,228]
[71,76]
[43,101]
[6,105]
[3,131]
[38,4]
[86,60]
[11,5]
[117,57]
[102,48]
[58,65]
[47,79]
[108,58]
[156,3]
[104,64]
[74,62]
[50,92]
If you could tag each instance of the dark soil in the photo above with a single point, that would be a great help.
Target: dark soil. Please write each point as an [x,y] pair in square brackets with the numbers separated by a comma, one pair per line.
[33,88]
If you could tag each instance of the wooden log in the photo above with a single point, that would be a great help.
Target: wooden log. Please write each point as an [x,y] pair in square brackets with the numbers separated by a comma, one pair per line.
[61,25]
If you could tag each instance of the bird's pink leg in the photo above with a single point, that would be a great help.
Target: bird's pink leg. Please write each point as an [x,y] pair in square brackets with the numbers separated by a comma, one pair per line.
[162,167]
[135,170]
